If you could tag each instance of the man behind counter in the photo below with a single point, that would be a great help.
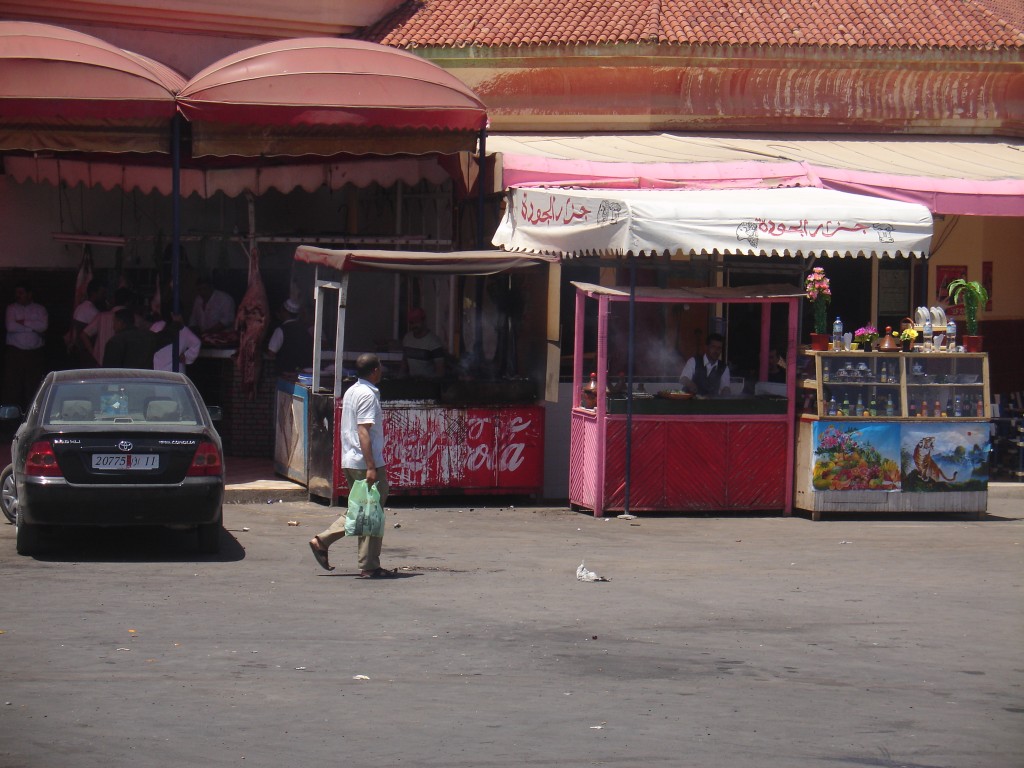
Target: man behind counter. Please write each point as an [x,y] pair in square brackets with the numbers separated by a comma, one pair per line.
[423,351]
[711,377]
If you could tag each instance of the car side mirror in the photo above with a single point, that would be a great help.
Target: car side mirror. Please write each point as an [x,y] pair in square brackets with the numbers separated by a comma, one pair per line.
[10,413]
[216,412]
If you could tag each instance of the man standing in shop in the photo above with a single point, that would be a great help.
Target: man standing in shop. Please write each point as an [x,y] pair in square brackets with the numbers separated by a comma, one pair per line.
[24,361]
[213,310]
[423,351]
[362,458]
[708,375]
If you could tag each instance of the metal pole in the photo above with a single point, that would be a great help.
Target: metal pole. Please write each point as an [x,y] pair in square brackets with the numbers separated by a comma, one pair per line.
[629,383]
[481,181]
[175,235]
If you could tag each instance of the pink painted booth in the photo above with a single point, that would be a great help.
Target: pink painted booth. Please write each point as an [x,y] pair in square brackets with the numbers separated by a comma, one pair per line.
[727,453]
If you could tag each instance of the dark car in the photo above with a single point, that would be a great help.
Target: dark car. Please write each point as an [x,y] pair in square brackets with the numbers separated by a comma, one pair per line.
[116,447]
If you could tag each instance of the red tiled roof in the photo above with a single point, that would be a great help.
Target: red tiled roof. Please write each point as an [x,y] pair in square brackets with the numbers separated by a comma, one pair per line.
[964,24]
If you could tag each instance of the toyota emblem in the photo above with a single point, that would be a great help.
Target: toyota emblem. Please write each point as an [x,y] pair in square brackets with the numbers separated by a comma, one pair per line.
[124,445]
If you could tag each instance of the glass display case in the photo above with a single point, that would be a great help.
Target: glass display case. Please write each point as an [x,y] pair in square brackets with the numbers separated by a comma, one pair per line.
[893,432]
[872,385]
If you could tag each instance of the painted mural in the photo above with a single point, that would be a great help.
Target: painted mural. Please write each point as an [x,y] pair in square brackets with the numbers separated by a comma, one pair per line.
[944,457]
[856,457]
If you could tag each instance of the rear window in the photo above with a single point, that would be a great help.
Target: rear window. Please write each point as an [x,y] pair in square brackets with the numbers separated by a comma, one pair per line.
[124,402]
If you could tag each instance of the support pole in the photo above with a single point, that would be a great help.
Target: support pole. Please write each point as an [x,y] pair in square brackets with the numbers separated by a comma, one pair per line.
[175,236]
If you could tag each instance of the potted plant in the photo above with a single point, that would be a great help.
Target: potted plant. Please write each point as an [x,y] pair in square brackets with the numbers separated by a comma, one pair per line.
[866,336]
[972,295]
[907,338]
[819,294]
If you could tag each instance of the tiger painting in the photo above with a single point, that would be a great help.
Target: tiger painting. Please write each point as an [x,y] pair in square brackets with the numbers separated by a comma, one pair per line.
[926,466]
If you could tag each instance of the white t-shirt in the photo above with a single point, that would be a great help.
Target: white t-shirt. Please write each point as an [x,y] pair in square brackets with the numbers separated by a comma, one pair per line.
[219,309]
[85,312]
[361,405]
[188,344]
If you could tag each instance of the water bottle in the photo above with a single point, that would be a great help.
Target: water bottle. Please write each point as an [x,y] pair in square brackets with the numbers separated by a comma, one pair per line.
[837,335]
[832,406]
[890,407]
[951,335]
[926,339]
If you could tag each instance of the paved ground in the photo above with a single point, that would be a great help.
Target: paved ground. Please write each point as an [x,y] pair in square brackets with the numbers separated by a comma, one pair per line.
[736,641]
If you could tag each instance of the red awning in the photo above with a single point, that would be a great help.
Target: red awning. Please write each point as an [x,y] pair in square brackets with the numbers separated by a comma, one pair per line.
[322,96]
[64,90]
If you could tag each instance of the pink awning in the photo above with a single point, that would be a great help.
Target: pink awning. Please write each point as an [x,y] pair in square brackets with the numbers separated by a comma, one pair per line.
[322,96]
[64,90]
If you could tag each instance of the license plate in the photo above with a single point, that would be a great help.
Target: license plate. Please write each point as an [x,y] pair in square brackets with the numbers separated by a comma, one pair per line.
[125,461]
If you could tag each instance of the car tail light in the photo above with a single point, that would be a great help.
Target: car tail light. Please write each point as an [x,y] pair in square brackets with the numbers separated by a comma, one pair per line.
[206,461]
[42,461]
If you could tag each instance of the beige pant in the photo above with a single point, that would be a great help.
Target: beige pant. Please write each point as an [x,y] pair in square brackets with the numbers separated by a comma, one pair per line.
[369,546]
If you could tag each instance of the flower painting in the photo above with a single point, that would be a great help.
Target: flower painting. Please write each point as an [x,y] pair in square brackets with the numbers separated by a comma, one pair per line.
[865,457]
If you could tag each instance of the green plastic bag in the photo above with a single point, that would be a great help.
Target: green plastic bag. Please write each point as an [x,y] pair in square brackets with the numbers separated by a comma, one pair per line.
[365,517]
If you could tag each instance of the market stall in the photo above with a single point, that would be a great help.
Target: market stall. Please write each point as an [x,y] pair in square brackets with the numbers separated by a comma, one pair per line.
[690,452]
[700,454]
[473,432]
[893,432]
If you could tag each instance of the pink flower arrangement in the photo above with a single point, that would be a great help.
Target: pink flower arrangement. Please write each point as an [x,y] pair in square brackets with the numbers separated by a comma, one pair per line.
[866,335]
[819,294]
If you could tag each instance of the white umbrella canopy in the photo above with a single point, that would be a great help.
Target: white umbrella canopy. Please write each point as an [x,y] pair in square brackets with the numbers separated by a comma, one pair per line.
[800,221]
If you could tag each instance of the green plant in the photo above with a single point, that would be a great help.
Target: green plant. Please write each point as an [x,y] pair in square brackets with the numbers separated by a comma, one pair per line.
[972,295]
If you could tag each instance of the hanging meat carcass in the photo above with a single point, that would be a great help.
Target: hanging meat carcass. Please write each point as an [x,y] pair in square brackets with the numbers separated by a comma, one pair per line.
[251,322]
[82,281]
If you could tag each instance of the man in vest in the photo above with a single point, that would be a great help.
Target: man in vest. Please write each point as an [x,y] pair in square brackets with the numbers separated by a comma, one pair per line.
[291,343]
[707,375]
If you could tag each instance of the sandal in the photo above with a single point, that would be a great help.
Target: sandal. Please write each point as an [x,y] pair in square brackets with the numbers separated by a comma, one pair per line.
[378,573]
[320,553]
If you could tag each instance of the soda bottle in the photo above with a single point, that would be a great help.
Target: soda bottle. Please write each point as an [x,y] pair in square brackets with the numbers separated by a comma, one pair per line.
[846,405]
[958,408]
[980,407]
[589,399]
[837,335]
[938,410]
[924,408]
[826,373]
[860,406]
[874,406]
[890,407]
[832,406]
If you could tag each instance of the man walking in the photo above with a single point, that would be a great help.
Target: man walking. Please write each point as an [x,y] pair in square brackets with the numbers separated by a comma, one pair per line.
[362,457]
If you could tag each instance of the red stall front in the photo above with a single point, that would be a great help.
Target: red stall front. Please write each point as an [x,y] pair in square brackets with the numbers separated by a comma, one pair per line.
[480,431]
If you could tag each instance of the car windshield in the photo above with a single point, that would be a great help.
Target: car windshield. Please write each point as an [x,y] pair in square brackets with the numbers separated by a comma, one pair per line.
[129,401]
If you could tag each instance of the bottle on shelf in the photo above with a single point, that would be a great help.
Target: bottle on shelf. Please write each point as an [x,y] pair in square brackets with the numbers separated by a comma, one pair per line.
[926,336]
[832,407]
[924,408]
[837,335]
[589,397]
[980,407]
[846,405]
[958,408]
[826,373]
[860,406]
[890,407]
[951,335]
[873,409]
[938,410]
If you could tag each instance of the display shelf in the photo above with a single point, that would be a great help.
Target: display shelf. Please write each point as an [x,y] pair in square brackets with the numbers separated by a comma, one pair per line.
[903,385]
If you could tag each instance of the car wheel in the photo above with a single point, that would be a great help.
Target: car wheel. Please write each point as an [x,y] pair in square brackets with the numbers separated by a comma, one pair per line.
[26,539]
[9,494]
[209,538]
